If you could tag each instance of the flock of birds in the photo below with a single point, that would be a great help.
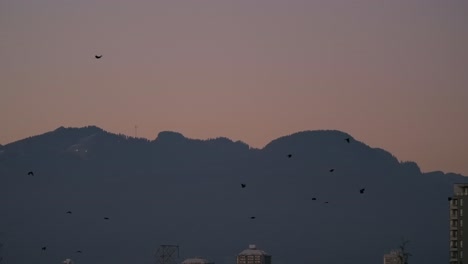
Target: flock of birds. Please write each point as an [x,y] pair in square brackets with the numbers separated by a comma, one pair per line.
[243,185]
[361,191]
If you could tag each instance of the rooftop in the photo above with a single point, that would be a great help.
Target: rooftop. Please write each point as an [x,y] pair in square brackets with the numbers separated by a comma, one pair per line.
[253,251]
[196,260]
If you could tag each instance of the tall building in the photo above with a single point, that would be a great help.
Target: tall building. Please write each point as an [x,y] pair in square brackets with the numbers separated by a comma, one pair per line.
[460,193]
[392,258]
[196,260]
[252,255]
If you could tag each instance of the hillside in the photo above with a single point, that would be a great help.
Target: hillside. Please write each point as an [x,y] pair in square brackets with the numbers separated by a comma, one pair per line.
[176,190]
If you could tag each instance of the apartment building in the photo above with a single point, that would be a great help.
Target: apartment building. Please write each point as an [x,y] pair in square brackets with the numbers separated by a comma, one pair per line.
[457,206]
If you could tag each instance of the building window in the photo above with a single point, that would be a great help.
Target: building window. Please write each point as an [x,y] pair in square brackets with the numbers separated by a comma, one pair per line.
[461,201]
[461,243]
[461,254]
[461,212]
[461,222]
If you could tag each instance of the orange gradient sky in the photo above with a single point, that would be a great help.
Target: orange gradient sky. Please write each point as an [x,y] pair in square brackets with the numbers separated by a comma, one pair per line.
[393,74]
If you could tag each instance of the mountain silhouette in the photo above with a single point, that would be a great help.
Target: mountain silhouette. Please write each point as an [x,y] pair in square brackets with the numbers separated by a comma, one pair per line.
[176,190]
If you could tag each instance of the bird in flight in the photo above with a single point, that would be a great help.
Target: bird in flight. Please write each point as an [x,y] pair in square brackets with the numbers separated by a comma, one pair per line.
[69,212]
[450,199]
[326,202]
[362,190]
[44,248]
[347,139]
[79,251]
[252,217]
[31,173]
[314,199]
[289,155]
[332,170]
[97,56]
[243,185]
[106,218]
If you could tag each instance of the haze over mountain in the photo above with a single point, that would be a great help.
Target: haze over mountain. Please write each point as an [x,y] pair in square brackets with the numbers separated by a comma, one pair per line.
[176,190]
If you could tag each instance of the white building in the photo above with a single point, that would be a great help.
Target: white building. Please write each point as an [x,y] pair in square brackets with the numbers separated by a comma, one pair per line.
[392,258]
[197,260]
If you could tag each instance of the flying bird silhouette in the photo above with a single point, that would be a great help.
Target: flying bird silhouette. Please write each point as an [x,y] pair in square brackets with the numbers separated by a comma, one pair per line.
[347,139]
[106,218]
[243,185]
[314,199]
[332,170]
[289,155]
[450,199]
[69,212]
[79,251]
[44,248]
[326,202]
[98,56]
[252,217]
[31,173]
[362,190]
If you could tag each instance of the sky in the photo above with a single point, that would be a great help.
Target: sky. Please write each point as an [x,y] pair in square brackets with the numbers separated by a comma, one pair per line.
[390,73]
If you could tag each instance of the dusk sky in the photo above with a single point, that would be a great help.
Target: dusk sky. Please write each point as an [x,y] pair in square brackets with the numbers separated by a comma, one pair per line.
[393,74]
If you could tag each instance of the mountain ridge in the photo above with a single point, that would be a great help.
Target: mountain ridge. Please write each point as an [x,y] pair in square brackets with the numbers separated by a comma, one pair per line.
[173,136]
[169,137]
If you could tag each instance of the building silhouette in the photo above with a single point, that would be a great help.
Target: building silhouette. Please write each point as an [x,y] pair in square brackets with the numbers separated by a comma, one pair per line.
[460,193]
[167,254]
[252,255]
